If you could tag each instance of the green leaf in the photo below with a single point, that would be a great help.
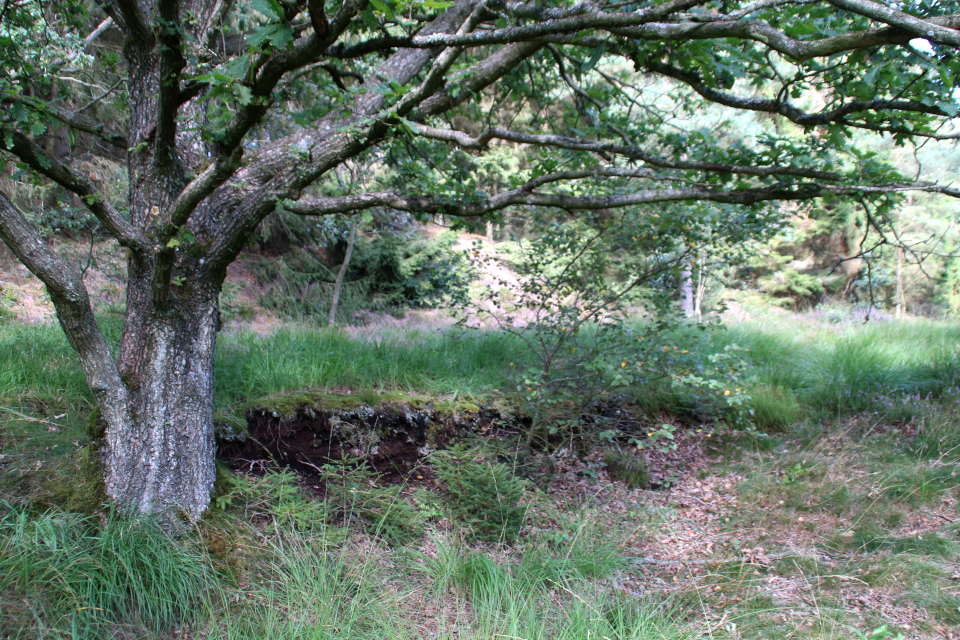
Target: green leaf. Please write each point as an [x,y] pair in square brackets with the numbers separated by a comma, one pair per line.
[949,108]
[381,6]
[269,8]
[594,58]
[173,243]
[370,20]
[244,94]
[281,36]
[436,4]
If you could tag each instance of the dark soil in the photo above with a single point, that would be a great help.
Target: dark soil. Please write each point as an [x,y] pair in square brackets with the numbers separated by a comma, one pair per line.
[391,438]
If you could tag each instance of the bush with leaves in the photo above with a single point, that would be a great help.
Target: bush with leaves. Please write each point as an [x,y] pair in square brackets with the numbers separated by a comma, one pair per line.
[574,307]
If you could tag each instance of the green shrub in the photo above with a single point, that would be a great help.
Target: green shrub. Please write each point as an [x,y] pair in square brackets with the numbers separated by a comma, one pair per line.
[433,272]
[300,285]
[383,511]
[484,495]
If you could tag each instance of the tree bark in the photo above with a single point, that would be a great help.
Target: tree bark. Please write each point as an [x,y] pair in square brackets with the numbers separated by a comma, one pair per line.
[335,299]
[686,290]
[701,289]
[164,460]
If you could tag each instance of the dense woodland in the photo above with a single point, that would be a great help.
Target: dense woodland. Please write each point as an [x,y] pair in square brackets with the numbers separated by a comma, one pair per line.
[479,319]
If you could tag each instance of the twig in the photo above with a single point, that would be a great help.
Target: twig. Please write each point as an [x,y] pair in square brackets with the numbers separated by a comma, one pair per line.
[30,418]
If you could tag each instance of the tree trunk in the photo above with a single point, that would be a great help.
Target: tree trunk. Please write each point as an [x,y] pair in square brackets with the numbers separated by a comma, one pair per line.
[898,295]
[686,290]
[162,459]
[335,299]
[701,289]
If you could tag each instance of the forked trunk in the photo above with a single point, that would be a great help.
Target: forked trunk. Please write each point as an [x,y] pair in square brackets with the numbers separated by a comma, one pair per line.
[161,459]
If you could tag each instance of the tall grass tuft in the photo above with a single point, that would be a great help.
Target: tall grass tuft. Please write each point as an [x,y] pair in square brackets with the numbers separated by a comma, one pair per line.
[67,575]
[302,588]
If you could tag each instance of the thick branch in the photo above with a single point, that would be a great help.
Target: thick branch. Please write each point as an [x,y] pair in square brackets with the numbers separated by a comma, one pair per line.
[638,26]
[125,233]
[72,303]
[129,17]
[76,121]
[634,153]
[786,109]
[919,27]
[759,31]
[525,196]
[305,51]
[172,63]
[194,193]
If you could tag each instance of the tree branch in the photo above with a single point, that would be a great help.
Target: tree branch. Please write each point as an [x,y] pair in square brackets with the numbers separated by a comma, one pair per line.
[526,196]
[72,303]
[649,26]
[202,186]
[129,17]
[31,155]
[74,120]
[760,31]
[786,109]
[634,153]
[172,64]
[919,27]
[305,51]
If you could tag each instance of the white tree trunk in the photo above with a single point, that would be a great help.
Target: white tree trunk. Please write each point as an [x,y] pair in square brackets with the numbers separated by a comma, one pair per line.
[686,291]
[701,287]
[162,459]
[338,284]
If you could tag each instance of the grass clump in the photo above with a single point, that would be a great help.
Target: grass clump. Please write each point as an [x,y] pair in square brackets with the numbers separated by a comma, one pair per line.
[352,494]
[68,572]
[773,408]
[486,496]
[302,587]
[629,468]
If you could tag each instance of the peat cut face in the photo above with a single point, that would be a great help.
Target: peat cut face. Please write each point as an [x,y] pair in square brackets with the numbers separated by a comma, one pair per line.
[390,437]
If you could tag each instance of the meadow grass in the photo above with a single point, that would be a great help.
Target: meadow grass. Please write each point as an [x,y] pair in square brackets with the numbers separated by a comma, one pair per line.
[442,362]
[887,367]
[794,368]
[70,575]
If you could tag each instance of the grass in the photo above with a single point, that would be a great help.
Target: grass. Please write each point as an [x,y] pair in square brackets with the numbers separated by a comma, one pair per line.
[824,370]
[853,492]
[892,368]
[249,366]
[68,574]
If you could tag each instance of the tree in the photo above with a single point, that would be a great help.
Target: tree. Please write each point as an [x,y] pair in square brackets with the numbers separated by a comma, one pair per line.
[226,111]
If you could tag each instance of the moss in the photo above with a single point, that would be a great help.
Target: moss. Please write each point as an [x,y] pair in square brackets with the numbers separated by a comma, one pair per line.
[455,408]
[78,484]
[229,427]
[289,405]
[223,484]
[96,426]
